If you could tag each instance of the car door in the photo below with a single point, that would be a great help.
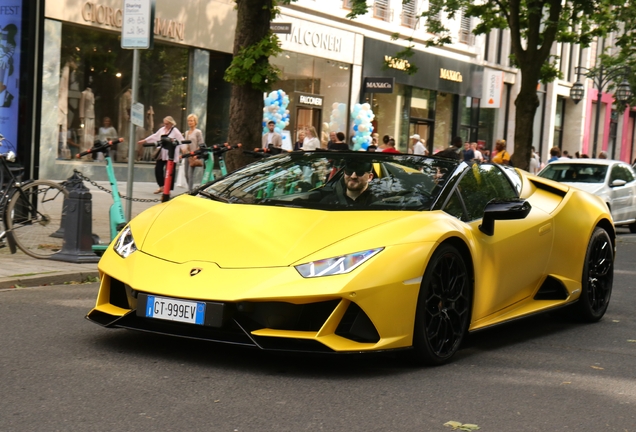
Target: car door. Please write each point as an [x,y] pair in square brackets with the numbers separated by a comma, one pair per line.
[510,264]
[622,196]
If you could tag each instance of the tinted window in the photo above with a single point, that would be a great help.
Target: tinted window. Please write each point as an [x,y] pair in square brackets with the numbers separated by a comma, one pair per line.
[621,172]
[575,173]
[481,184]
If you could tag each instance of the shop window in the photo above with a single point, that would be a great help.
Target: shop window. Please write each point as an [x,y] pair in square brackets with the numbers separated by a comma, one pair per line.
[409,14]
[94,96]
[559,115]
[381,10]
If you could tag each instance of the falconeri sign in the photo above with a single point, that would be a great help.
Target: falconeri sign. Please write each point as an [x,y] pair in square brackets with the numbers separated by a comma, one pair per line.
[311,100]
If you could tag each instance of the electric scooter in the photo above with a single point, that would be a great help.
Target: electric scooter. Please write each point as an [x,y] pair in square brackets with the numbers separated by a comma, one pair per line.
[171,145]
[207,155]
[116,215]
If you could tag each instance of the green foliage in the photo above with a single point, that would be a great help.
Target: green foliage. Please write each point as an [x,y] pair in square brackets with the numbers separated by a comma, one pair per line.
[251,66]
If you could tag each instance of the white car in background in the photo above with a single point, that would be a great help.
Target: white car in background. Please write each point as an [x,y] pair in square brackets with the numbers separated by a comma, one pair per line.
[612,180]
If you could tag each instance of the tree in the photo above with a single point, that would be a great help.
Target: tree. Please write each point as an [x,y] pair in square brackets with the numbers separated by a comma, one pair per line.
[251,74]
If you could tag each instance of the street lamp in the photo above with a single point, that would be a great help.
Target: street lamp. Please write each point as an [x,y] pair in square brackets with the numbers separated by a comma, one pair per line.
[601,78]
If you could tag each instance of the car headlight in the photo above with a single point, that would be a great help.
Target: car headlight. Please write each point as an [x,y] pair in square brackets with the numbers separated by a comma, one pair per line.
[337,265]
[125,244]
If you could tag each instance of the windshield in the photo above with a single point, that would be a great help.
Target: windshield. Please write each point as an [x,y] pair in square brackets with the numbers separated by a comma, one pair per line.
[336,181]
[575,173]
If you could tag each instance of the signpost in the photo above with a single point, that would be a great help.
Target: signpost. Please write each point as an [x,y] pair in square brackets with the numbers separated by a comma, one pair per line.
[138,18]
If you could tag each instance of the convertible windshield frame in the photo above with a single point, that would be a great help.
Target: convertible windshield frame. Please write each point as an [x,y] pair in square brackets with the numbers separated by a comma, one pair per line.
[330,180]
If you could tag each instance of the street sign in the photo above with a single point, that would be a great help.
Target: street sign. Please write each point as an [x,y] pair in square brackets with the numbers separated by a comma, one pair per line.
[280,28]
[137,24]
[137,114]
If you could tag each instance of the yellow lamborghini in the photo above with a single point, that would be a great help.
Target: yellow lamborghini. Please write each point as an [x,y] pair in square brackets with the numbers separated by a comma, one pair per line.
[356,252]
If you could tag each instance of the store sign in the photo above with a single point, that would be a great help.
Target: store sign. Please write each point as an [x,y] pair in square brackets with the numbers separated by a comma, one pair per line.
[10,41]
[97,13]
[493,87]
[317,40]
[379,85]
[281,28]
[450,75]
[397,63]
[311,100]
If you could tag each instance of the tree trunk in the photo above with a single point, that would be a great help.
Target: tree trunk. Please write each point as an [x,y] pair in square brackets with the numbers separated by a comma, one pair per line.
[246,103]
[526,103]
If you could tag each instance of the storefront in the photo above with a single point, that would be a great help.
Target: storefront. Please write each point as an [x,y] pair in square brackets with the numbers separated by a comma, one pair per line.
[86,80]
[438,102]
[316,69]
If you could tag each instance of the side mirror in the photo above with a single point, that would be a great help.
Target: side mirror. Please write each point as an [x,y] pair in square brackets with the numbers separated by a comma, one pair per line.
[617,183]
[503,210]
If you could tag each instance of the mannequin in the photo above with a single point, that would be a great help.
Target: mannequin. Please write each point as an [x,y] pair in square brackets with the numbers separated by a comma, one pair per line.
[62,109]
[125,102]
[87,118]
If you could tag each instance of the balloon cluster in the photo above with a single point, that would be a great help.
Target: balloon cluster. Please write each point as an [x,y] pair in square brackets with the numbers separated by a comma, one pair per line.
[338,120]
[361,117]
[276,110]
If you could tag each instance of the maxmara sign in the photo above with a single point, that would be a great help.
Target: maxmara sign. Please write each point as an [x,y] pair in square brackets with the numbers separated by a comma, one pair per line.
[96,13]
[318,40]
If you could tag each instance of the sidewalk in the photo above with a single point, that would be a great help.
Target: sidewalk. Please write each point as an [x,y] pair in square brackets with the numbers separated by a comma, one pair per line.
[22,270]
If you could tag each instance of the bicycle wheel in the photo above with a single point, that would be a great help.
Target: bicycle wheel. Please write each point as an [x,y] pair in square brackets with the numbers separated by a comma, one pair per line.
[34,217]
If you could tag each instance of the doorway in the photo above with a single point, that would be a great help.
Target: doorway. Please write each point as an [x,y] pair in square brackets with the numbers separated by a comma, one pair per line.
[424,129]
[306,117]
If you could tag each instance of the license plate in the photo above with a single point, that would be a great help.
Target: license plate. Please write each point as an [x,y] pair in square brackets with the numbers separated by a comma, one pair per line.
[175,310]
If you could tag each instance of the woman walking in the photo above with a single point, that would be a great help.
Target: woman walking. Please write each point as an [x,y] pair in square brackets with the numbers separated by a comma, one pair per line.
[196,137]
[169,129]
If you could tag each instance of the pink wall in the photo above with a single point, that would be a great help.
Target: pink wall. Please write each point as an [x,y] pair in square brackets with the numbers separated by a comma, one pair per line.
[607,99]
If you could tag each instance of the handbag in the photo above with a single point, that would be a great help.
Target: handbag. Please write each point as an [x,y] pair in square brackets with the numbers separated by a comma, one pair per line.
[181,178]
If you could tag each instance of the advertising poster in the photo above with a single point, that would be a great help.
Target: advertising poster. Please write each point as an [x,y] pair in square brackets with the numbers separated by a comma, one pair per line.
[10,32]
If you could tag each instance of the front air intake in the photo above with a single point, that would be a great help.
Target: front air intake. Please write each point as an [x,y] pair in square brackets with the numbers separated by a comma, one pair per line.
[356,325]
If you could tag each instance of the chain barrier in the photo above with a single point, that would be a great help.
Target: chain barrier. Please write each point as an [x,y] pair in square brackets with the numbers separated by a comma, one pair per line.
[102,188]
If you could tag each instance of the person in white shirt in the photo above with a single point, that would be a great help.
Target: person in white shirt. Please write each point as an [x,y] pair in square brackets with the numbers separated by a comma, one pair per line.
[169,128]
[272,137]
[416,146]
[478,156]
[311,141]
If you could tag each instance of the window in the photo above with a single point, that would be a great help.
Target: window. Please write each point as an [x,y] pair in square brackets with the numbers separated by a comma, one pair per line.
[438,16]
[409,14]
[465,35]
[478,187]
[381,10]
[347,4]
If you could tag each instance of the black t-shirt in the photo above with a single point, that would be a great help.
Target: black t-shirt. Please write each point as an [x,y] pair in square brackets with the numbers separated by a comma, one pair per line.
[338,196]
[451,153]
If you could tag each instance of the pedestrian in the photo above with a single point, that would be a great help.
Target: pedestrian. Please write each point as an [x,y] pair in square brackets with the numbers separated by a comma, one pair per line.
[311,141]
[555,154]
[454,151]
[340,143]
[602,155]
[390,147]
[502,157]
[478,156]
[169,129]
[332,140]
[196,138]
[272,137]
[535,162]
[468,153]
[384,143]
[416,146]
[298,145]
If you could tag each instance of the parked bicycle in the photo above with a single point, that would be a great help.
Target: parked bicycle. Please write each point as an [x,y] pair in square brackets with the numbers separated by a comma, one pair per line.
[31,212]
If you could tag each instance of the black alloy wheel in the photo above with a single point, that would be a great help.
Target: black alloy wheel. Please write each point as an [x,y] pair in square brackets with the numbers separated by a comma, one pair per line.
[443,309]
[598,277]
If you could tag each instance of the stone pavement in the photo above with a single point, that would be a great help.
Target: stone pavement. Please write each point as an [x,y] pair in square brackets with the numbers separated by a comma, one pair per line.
[22,270]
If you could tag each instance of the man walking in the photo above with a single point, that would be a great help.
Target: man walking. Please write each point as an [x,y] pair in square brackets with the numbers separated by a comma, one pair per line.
[272,137]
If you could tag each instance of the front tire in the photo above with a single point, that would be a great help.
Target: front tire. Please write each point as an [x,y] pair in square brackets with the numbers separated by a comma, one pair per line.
[443,307]
[598,277]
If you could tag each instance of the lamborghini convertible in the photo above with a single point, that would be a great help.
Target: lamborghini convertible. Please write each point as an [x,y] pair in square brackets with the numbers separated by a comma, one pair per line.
[345,252]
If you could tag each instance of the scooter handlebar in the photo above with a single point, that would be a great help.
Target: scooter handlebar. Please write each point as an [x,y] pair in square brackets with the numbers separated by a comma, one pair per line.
[99,146]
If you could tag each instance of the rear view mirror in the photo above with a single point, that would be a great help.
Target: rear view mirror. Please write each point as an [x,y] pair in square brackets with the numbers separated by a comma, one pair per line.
[617,183]
[503,210]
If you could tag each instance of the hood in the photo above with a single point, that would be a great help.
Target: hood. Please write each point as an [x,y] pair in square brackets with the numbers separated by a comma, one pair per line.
[241,235]
[593,188]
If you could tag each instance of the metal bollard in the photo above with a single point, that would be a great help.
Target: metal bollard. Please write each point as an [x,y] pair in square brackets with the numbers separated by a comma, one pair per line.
[77,223]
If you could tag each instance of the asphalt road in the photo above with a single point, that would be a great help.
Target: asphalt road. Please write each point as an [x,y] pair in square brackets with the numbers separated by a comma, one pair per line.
[58,372]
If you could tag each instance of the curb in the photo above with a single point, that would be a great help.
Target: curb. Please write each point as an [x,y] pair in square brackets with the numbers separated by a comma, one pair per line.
[46,279]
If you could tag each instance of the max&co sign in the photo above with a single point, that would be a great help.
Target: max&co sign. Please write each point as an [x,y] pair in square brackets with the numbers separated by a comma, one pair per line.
[379,85]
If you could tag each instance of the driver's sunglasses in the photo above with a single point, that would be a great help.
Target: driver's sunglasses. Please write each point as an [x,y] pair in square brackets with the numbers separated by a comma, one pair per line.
[359,173]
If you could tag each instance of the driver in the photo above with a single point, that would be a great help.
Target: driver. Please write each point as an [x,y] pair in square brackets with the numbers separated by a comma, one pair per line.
[353,188]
